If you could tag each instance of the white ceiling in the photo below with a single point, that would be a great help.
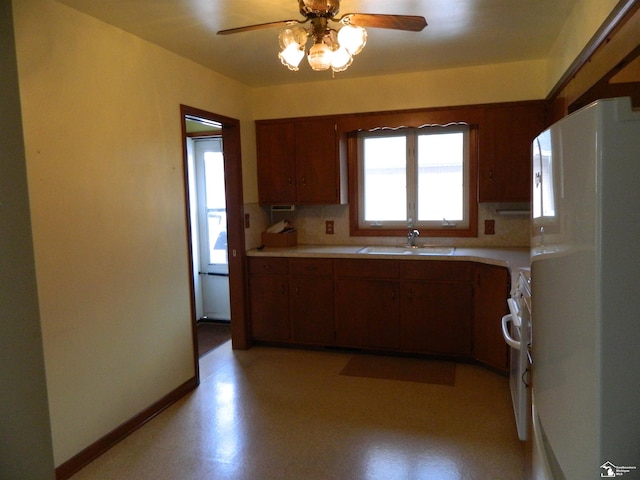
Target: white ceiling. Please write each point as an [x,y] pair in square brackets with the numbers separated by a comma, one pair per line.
[459,33]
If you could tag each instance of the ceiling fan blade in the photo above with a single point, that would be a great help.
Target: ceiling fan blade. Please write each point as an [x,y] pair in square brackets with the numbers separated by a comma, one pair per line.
[412,23]
[259,26]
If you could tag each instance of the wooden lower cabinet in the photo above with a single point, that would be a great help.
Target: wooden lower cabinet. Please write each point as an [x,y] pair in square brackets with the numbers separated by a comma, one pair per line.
[437,317]
[311,301]
[367,313]
[492,285]
[368,303]
[437,307]
[269,299]
[448,308]
[291,300]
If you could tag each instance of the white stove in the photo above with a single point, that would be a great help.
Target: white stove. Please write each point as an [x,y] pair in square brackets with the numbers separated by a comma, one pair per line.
[516,330]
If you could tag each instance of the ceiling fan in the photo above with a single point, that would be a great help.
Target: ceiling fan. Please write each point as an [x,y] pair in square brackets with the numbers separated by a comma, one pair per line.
[333,47]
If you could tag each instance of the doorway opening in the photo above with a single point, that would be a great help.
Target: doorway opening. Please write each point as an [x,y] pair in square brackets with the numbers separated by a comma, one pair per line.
[213,184]
[212,305]
[209,233]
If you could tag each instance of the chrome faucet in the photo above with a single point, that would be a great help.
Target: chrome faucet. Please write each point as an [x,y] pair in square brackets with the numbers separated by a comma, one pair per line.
[411,237]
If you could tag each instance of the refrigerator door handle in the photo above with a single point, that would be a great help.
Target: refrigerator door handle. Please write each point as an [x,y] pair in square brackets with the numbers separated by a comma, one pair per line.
[505,333]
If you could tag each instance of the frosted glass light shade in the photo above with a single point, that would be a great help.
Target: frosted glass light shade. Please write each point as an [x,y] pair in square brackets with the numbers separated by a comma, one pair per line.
[290,35]
[353,39]
[340,60]
[319,56]
[291,56]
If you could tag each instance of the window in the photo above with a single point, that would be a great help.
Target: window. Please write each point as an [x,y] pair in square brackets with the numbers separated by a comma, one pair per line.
[419,177]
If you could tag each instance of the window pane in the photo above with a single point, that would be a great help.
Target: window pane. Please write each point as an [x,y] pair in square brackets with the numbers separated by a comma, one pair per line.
[440,177]
[385,179]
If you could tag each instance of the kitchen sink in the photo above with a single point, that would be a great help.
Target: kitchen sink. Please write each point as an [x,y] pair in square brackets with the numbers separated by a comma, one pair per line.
[406,250]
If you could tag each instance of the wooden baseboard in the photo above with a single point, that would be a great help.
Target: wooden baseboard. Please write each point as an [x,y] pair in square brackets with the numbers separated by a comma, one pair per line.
[93,451]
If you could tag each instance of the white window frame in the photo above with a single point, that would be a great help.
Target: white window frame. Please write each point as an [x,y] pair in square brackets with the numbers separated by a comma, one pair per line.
[411,134]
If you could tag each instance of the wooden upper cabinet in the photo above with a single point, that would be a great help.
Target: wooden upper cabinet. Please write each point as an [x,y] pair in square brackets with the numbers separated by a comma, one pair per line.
[505,154]
[298,162]
[275,143]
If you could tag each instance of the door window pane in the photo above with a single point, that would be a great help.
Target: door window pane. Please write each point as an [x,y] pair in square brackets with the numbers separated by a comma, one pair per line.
[216,207]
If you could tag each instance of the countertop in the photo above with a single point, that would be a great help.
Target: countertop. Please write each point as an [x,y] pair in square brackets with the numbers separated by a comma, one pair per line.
[514,258]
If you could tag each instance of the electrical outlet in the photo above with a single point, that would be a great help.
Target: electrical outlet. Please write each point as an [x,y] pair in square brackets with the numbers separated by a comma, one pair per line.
[489,227]
[247,222]
[328,227]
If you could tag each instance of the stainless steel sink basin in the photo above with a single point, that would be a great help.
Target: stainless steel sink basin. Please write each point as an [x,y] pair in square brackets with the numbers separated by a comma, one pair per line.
[405,250]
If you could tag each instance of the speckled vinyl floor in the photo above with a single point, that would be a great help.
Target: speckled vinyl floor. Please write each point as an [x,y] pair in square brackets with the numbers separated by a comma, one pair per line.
[269,413]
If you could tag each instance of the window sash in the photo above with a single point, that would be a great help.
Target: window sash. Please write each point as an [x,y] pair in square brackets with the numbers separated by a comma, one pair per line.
[406,208]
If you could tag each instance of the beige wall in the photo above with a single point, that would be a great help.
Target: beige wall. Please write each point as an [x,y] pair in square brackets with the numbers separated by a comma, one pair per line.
[461,86]
[505,82]
[584,21]
[104,160]
[26,451]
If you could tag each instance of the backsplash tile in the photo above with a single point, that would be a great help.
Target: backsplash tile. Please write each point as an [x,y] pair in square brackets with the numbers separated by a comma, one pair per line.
[511,230]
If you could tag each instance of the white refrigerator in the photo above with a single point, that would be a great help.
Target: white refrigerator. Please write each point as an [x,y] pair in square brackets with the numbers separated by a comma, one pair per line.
[585,282]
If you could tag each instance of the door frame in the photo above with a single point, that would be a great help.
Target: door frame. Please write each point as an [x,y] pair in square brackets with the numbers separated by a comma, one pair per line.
[231,147]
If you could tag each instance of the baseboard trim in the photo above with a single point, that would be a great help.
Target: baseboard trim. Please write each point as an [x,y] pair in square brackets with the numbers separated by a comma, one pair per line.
[93,451]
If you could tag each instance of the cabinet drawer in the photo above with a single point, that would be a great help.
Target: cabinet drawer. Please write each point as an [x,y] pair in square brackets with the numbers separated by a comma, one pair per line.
[437,270]
[310,266]
[368,268]
[273,266]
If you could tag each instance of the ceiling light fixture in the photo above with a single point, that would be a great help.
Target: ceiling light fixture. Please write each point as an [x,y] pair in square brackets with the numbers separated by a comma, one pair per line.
[331,49]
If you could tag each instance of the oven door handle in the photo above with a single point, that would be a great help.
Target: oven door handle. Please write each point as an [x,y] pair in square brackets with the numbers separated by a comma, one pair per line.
[505,333]
[515,311]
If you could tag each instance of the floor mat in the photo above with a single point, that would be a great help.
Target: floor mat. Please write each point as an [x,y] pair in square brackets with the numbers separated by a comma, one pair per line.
[212,335]
[400,368]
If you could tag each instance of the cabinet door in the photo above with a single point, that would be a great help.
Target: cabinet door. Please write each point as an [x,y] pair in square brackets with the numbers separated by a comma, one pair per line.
[275,144]
[491,293]
[437,317]
[367,313]
[317,162]
[269,299]
[311,301]
[505,161]
[269,307]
